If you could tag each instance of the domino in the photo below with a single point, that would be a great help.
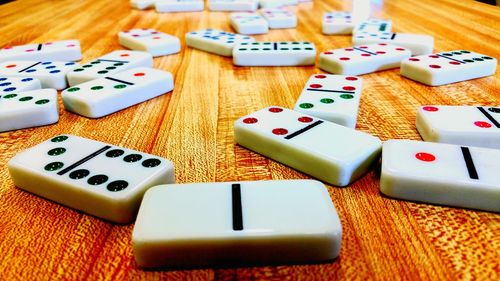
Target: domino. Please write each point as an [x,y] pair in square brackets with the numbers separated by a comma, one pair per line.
[236,222]
[337,23]
[67,50]
[279,18]
[96,178]
[277,3]
[142,4]
[464,125]
[149,40]
[327,151]
[52,74]
[164,6]
[283,53]
[232,5]
[216,41]
[109,64]
[370,26]
[12,85]
[363,59]
[334,98]
[448,67]
[28,109]
[418,44]
[249,23]
[101,97]
[443,174]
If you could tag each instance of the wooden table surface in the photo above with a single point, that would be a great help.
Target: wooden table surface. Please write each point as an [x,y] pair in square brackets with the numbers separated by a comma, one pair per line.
[383,239]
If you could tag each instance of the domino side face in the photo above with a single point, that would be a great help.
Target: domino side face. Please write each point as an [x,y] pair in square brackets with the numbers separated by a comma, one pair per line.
[277,3]
[97,178]
[370,26]
[283,53]
[251,222]
[337,23]
[52,74]
[363,59]
[163,6]
[334,98]
[442,174]
[112,93]
[12,85]
[142,4]
[67,50]
[330,152]
[114,62]
[232,5]
[28,109]
[216,41]
[279,18]
[249,23]
[149,40]
[464,125]
[448,67]
[418,44]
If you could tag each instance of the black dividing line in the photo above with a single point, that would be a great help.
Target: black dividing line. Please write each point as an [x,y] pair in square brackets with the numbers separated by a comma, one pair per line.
[485,113]
[330,91]
[393,36]
[237,211]
[275,46]
[470,164]
[83,160]
[30,66]
[443,56]
[361,50]
[303,130]
[113,60]
[119,81]
[39,47]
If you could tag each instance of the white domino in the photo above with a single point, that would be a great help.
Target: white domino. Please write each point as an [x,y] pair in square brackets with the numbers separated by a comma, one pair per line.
[12,85]
[232,5]
[101,97]
[448,67]
[28,109]
[277,3]
[330,152]
[249,23]
[337,23]
[418,44]
[442,174]
[114,62]
[284,53]
[67,50]
[363,59]
[216,41]
[204,224]
[165,6]
[142,4]
[97,178]
[334,98]
[373,26]
[149,40]
[465,125]
[52,74]
[279,18]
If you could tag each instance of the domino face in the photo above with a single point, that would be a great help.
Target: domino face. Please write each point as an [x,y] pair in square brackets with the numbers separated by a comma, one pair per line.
[28,109]
[327,151]
[363,59]
[249,23]
[442,174]
[279,18]
[97,178]
[114,62]
[277,3]
[232,5]
[52,74]
[334,98]
[163,6]
[274,53]
[142,4]
[464,125]
[448,67]
[216,41]
[370,26]
[149,40]
[246,225]
[418,44]
[12,85]
[67,50]
[337,23]
[112,93]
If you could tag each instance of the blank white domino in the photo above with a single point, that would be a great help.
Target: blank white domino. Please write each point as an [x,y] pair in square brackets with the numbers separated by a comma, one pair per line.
[337,23]
[67,50]
[164,6]
[373,26]
[101,97]
[12,85]
[142,4]
[216,41]
[114,62]
[277,3]
[465,125]
[330,152]
[363,59]
[28,109]
[236,222]
[52,74]
[283,53]
[279,18]
[448,67]
[249,23]
[149,40]
[442,174]
[97,178]
[418,44]
[232,5]
[334,98]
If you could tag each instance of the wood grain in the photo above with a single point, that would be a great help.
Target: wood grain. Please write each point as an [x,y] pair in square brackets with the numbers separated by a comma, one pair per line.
[384,239]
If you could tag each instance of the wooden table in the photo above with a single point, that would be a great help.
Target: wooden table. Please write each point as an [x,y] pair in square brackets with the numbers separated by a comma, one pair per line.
[383,239]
